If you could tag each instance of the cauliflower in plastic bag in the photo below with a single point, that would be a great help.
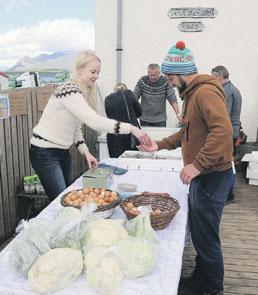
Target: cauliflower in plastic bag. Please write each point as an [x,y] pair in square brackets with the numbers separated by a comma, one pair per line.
[103,271]
[140,226]
[21,256]
[54,270]
[104,233]
[66,228]
[28,246]
[137,256]
[65,215]
[39,235]
[69,226]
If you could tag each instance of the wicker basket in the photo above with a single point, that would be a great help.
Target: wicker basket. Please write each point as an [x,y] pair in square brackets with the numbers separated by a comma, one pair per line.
[163,201]
[103,211]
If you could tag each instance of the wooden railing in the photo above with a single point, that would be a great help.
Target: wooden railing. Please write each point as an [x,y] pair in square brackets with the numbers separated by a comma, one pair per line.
[26,106]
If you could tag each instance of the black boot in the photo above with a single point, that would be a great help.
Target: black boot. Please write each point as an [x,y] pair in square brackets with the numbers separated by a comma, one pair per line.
[215,292]
[192,285]
[230,198]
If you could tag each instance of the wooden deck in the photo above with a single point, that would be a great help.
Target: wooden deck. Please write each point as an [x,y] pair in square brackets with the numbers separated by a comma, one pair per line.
[239,236]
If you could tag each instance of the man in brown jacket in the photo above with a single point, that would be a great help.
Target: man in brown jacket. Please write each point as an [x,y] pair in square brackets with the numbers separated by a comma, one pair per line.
[206,141]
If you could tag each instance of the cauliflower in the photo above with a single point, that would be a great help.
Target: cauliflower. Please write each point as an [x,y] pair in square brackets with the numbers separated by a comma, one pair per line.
[56,269]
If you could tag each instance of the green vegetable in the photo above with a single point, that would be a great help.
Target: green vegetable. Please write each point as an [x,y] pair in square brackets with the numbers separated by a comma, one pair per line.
[65,229]
[22,255]
[140,227]
[137,256]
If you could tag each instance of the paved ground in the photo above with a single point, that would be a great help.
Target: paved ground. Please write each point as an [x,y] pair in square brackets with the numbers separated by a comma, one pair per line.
[239,235]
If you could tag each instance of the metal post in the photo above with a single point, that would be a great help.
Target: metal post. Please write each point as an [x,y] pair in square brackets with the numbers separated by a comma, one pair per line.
[119,48]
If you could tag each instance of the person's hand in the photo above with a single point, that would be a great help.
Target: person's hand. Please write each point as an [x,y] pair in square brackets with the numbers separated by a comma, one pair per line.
[140,135]
[91,161]
[188,173]
[153,147]
[180,118]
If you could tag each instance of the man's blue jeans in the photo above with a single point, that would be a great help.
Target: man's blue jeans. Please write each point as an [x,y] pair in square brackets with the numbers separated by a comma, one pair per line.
[207,197]
[54,168]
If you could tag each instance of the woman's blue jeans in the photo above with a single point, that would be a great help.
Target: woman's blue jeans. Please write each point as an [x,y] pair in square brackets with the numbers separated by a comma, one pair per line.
[54,168]
[207,197]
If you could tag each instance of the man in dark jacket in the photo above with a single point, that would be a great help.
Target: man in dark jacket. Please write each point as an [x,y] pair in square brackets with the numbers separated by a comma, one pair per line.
[234,103]
[206,141]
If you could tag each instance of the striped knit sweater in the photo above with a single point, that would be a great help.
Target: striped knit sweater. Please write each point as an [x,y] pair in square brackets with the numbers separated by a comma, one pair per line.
[153,98]
[60,123]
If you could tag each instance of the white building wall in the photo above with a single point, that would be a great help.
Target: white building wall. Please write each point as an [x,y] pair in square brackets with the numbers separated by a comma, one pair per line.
[3,83]
[228,39]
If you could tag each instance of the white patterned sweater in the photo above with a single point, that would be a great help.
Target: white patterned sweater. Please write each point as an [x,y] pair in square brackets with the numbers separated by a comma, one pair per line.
[60,123]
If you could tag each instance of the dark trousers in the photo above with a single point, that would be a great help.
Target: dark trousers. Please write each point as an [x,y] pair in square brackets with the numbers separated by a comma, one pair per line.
[153,124]
[207,197]
[53,167]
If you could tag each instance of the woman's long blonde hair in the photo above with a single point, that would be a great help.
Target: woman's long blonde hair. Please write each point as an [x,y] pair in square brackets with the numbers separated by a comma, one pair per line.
[82,61]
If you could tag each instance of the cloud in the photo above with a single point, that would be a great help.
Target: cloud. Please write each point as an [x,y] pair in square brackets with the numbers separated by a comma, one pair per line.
[47,36]
[11,5]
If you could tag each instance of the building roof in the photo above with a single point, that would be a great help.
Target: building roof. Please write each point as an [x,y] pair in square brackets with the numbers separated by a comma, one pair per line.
[4,75]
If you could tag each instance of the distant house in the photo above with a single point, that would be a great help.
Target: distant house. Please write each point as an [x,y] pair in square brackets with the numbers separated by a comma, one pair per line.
[28,79]
[4,81]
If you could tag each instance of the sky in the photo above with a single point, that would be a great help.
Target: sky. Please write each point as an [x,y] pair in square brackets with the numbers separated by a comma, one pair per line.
[32,27]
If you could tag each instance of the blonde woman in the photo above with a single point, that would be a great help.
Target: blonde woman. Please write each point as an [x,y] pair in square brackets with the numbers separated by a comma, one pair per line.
[122,105]
[59,127]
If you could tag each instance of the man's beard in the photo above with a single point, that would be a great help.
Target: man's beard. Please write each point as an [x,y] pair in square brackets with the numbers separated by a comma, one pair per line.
[182,86]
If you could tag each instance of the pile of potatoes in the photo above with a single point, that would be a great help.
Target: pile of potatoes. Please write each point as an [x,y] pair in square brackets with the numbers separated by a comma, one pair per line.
[100,196]
[130,208]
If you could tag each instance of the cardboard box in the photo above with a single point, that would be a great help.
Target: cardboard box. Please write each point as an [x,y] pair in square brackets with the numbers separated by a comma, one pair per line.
[252,167]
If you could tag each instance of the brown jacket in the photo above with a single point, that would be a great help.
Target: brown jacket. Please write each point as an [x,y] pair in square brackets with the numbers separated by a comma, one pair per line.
[206,135]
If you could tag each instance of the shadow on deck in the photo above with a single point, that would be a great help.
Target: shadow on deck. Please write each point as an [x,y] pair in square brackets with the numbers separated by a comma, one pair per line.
[239,237]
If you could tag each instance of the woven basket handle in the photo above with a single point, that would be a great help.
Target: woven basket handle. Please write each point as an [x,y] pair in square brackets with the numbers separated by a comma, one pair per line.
[148,194]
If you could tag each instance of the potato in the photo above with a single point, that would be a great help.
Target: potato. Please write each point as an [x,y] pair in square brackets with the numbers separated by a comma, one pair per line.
[107,194]
[73,196]
[134,212]
[157,211]
[76,202]
[107,200]
[101,202]
[86,190]
[97,191]
[129,205]
[114,195]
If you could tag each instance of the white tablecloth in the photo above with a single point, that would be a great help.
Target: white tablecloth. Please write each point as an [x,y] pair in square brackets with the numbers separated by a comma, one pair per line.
[164,278]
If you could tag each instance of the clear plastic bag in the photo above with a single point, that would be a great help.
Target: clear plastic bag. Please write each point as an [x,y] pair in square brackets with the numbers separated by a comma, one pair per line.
[103,271]
[137,256]
[26,248]
[140,226]
[21,256]
[69,226]
[103,233]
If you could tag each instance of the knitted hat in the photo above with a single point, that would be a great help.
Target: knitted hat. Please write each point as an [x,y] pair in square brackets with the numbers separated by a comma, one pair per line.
[179,61]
